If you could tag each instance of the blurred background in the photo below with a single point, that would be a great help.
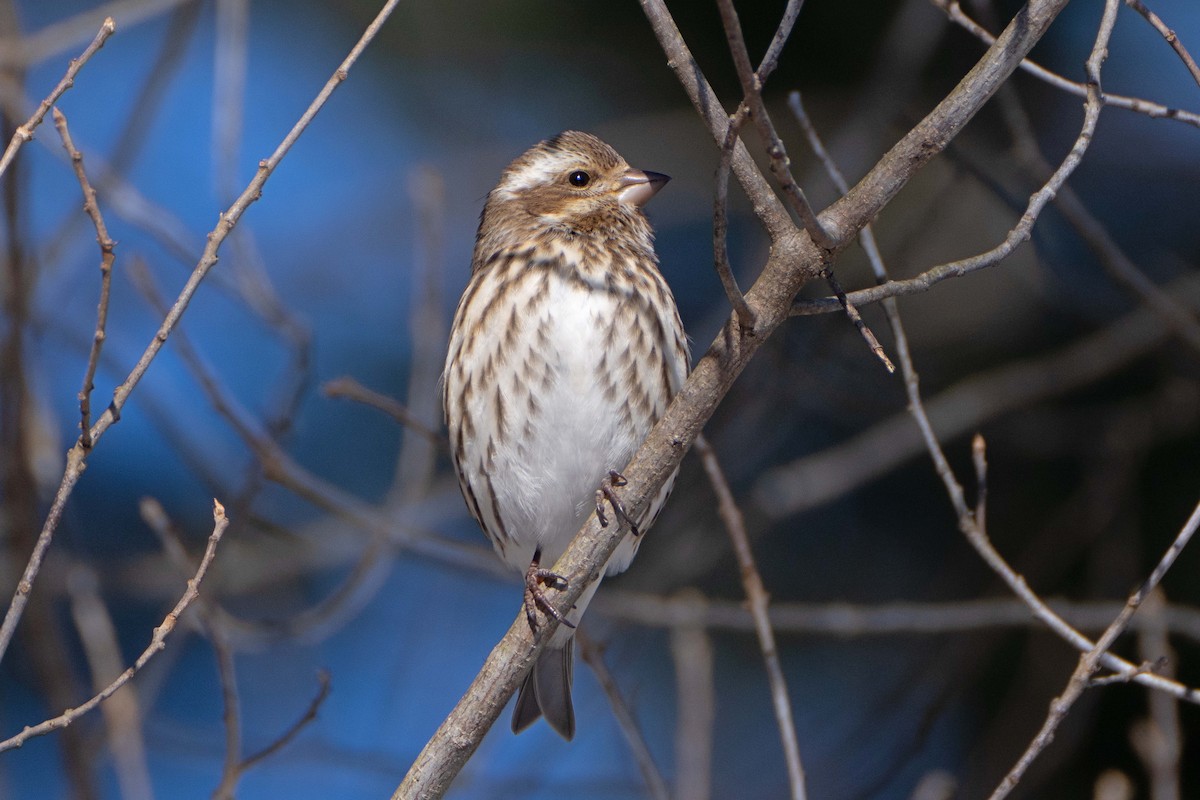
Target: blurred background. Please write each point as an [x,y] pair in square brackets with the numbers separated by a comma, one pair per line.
[350,551]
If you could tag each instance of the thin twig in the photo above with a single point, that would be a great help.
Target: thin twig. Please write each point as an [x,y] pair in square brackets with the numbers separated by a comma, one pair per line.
[780,165]
[77,456]
[721,222]
[1019,234]
[1169,35]
[324,685]
[107,246]
[155,517]
[1136,104]
[157,642]
[1094,234]
[350,389]
[25,132]
[1090,661]
[758,600]
[721,183]
[593,655]
[781,169]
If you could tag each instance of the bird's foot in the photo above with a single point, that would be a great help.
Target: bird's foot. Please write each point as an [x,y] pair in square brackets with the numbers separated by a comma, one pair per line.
[535,595]
[606,494]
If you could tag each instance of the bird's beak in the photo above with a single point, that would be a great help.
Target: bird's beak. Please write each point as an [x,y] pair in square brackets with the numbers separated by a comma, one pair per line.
[637,187]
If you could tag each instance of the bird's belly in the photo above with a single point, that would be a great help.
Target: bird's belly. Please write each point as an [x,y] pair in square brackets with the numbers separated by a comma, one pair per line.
[575,424]
[547,385]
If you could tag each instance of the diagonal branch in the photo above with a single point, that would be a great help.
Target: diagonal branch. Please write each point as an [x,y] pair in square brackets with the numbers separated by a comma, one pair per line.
[107,256]
[157,643]
[25,132]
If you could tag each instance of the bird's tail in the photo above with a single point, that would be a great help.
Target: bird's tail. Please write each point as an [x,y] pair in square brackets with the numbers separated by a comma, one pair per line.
[547,691]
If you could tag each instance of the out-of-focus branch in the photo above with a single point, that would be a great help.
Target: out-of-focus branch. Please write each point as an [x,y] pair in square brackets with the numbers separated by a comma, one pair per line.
[122,712]
[1158,740]
[157,643]
[59,36]
[818,478]
[695,703]
[231,776]
[850,620]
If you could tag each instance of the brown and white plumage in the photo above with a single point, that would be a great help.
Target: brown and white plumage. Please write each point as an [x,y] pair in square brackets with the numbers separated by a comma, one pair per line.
[566,349]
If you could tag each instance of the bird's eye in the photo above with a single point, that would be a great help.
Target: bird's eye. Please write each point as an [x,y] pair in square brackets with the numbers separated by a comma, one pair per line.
[579,178]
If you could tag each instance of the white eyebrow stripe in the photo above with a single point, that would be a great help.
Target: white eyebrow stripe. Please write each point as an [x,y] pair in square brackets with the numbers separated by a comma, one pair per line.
[542,169]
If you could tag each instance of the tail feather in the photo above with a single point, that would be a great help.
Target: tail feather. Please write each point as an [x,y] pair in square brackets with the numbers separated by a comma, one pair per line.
[547,692]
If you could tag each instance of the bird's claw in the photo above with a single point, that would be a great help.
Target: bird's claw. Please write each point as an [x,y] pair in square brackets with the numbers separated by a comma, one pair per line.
[535,596]
[606,493]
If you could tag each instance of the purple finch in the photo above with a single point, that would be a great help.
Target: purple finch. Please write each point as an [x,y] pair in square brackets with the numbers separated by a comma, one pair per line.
[566,349]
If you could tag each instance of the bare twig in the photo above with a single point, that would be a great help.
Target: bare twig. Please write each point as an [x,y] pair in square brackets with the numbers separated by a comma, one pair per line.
[25,132]
[157,643]
[155,517]
[758,600]
[721,222]
[229,780]
[1018,235]
[1090,661]
[324,685]
[77,456]
[1169,35]
[780,164]
[107,255]
[721,183]
[781,168]
[593,655]
[1136,104]
[1119,265]
[350,389]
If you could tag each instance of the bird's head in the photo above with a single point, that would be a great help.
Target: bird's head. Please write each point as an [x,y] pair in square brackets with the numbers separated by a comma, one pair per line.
[573,184]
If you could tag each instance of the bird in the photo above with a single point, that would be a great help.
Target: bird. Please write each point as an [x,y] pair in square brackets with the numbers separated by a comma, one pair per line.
[565,350]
